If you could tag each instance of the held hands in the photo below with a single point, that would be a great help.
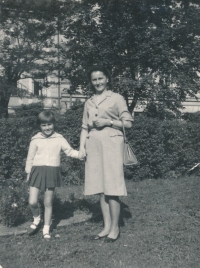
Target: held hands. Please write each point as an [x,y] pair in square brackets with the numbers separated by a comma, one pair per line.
[101,122]
[82,154]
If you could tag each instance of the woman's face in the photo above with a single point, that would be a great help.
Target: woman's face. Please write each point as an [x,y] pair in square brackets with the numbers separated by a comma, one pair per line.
[99,81]
[47,129]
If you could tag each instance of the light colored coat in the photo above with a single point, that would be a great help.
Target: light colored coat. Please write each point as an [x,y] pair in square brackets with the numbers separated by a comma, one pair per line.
[104,147]
[45,151]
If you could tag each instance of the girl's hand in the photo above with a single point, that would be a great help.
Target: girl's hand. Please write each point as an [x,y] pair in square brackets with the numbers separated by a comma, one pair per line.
[101,122]
[27,177]
[82,154]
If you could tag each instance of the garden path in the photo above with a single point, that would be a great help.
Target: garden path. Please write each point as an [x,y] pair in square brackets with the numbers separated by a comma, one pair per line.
[76,192]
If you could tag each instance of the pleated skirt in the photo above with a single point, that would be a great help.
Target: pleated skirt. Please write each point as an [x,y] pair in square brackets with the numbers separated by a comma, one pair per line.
[43,177]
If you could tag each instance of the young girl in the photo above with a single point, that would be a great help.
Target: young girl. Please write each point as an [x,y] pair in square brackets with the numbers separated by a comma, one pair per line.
[43,168]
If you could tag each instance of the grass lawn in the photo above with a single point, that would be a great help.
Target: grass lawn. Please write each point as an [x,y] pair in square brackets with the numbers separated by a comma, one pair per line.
[160,227]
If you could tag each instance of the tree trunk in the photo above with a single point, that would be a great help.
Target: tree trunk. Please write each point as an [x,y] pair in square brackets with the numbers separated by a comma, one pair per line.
[133,103]
[7,88]
[4,100]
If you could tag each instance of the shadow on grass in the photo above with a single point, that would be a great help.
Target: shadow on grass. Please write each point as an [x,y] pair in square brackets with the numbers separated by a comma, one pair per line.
[65,210]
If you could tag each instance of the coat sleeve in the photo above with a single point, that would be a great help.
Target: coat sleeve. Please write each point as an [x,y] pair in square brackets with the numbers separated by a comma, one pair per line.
[30,157]
[85,117]
[124,114]
[67,149]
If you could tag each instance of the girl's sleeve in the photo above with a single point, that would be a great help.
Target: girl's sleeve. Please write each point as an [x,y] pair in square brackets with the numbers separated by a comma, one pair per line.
[30,157]
[67,149]
[85,117]
[124,114]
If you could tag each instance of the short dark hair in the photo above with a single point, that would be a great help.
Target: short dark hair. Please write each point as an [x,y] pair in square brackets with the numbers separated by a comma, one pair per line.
[98,68]
[46,117]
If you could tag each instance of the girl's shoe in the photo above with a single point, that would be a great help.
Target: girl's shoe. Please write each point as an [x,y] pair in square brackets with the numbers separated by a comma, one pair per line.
[46,236]
[46,232]
[34,228]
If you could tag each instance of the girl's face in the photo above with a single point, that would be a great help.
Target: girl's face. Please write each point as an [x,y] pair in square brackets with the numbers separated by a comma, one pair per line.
[99,81]
[47,129]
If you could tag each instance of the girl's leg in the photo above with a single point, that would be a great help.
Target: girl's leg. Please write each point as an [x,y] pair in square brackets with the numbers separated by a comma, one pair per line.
[33,201]
[48,199]
[114,206]
[106,215]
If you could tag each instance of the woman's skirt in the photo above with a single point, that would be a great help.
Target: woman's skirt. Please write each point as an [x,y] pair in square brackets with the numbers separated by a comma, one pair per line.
[43,177]
[104,163]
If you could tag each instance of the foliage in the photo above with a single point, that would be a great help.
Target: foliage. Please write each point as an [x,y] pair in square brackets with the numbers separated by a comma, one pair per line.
[29,5]
[164,148]
[32,109]
[151,47]
[69,125]
[191,117]
[24,44]
[15,135]
[14,203]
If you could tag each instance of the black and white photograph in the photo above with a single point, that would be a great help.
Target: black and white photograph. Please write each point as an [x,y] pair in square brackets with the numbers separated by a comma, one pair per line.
[100,133]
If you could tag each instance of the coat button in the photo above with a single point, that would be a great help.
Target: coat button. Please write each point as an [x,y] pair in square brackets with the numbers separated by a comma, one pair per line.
[95,114]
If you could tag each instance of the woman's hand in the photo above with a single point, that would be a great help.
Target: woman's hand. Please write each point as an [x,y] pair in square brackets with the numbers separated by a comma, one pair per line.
[82,154]
[101,122]
[27,177]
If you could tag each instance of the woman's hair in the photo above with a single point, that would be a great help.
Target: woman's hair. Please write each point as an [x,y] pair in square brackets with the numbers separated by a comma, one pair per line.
[46,117]
[98,68]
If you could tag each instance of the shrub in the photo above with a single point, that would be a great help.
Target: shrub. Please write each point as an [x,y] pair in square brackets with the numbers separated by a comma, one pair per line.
[161,146]
[32,109]
[15,136]
[192,117]
[165,149]
[14,208]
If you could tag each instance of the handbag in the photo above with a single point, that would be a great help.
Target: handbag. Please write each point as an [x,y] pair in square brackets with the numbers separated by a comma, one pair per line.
[129,157]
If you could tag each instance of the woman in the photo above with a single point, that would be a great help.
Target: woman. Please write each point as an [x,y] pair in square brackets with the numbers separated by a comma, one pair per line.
[102,142]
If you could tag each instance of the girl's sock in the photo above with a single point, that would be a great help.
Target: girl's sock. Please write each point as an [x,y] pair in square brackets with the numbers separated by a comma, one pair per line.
[36,221]
[46,229]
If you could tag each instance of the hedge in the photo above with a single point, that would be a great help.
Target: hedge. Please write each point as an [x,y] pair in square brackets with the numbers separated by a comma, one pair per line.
[165,149]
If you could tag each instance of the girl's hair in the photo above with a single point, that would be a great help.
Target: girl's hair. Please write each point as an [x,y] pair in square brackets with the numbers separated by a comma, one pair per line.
[46,117]
[98,68]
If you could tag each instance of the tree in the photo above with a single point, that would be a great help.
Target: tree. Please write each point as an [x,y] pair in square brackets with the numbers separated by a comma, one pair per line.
[26,35]
[150,46]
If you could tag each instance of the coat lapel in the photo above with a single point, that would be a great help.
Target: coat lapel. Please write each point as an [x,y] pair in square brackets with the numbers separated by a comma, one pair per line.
[107,94]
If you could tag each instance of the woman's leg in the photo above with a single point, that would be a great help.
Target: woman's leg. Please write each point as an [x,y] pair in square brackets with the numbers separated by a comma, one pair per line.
[106,215]
[114,206]
[33,201]
[48,200]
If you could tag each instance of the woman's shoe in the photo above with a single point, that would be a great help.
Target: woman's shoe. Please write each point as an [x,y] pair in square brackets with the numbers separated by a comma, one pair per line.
[111,240]
[97,237]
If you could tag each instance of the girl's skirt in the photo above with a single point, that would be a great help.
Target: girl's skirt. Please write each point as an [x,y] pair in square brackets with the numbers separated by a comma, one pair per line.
[43,177]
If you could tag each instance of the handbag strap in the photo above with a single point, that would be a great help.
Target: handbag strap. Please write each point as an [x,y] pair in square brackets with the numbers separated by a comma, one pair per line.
[125,139]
